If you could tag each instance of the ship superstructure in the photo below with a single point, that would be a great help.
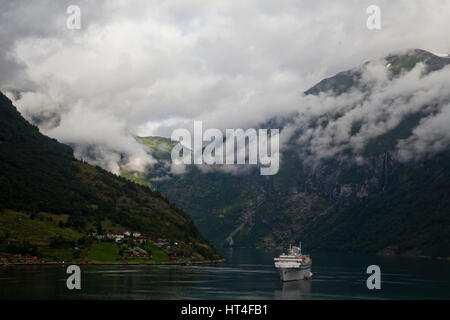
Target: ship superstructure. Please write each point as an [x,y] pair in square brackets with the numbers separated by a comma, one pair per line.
[294,265]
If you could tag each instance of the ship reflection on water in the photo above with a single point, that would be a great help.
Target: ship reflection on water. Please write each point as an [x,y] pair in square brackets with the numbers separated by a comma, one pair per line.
[294,290]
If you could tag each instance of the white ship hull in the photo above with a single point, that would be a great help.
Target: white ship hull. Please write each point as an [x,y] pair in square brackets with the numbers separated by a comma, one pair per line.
[294,265]
[292,274]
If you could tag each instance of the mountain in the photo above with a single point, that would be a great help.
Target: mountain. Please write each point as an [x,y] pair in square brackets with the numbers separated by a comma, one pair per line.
[48,197]
[360,196]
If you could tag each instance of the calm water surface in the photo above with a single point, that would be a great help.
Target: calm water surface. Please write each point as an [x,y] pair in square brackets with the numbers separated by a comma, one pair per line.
[247,274]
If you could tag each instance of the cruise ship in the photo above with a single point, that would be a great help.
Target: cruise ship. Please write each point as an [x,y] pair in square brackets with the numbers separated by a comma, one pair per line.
[294,265]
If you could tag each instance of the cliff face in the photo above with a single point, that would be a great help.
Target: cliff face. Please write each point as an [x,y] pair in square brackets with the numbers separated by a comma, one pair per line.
[409,215]
[383,205]
[369,201]
[348,185]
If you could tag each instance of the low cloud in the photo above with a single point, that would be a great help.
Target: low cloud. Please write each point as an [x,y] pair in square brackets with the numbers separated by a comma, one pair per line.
[330,125]
[104,140]
[150,67]
[430,137]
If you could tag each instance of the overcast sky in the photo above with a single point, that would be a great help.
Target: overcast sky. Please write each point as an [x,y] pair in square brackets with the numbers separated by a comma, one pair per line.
[147,67]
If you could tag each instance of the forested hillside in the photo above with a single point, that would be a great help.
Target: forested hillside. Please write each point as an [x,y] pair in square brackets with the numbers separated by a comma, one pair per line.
[39,177]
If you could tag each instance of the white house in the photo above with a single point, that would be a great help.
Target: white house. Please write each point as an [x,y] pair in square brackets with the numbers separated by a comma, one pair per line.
[116,236]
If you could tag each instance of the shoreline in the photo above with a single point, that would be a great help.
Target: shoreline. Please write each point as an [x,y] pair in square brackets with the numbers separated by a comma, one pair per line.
[378,253]
[412,256]
[167,263]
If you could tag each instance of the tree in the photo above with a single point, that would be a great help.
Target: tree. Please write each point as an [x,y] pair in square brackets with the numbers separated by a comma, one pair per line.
[99,227]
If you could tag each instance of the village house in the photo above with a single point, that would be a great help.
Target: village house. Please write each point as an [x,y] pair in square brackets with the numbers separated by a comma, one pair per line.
[142,239]
[96,236]
[140,250]
[139,253]
[116,236]
[162,243]
[121,236]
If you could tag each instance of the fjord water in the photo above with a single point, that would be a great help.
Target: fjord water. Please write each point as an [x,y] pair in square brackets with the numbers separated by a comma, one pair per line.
[247,274]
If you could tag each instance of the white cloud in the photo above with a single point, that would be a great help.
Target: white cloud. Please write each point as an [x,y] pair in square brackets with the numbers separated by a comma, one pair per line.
[101,139]
[325,122]
[430,137]
[151,66]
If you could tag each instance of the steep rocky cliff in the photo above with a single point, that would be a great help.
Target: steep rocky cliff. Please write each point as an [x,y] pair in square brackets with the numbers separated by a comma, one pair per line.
[354,199]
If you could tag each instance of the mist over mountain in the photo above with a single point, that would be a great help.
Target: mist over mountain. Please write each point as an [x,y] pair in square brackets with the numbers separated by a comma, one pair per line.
[149,68]
[46,193]
[349,112]
[364,166]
